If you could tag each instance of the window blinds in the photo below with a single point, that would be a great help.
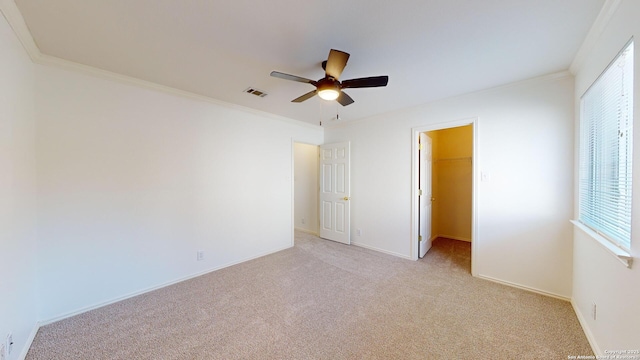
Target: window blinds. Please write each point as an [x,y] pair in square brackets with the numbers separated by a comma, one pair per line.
[606,151]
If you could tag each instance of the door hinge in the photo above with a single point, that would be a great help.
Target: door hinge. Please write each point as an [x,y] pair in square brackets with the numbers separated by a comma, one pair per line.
[419,238]
[420,192]
[420,147]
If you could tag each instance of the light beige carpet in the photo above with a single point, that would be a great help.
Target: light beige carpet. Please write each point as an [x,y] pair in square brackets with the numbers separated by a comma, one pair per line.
[324,300]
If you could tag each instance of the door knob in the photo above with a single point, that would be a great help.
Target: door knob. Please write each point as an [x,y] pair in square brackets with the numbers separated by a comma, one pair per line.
[346,198]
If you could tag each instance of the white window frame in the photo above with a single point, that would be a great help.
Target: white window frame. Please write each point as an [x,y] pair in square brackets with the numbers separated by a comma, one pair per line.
[605,184]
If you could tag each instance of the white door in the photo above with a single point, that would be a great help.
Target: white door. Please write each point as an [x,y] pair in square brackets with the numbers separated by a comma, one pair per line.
[335,192]
[425,194]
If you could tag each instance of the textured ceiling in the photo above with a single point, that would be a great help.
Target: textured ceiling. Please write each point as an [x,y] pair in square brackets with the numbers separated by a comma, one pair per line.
[431,49]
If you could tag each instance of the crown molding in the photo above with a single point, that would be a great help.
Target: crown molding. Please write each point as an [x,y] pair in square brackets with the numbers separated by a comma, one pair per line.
[20,28]
[56,62]
[596,30]
[393,114]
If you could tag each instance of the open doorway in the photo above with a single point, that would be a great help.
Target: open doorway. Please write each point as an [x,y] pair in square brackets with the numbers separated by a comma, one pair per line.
[444,185]
[305,188]
[451,179]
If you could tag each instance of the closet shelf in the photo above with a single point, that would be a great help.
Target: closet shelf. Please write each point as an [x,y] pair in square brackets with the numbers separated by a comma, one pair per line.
[455,159]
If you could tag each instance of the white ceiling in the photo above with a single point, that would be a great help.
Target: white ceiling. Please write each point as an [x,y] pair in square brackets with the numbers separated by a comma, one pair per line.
[431,49]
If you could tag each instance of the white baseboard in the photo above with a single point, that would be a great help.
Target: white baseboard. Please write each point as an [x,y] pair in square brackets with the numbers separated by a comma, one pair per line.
[523,287]
[308,231]
[27,345]
[587,331]
[380,250]
[452,237]
[152,288]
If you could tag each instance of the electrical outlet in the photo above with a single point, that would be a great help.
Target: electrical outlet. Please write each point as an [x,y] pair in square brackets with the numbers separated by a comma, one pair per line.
[303,221]
[593,311]
[200,255]
[358,232]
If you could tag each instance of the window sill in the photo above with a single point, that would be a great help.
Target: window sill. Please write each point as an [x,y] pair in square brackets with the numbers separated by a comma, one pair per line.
[620,254]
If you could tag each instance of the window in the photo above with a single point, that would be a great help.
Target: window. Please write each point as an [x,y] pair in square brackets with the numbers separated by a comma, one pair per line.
[606,141]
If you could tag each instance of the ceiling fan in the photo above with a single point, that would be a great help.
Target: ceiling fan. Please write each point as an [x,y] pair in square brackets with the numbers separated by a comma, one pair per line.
[329,87]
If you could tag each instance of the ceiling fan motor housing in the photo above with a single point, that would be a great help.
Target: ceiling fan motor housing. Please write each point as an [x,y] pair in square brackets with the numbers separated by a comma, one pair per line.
[328,83]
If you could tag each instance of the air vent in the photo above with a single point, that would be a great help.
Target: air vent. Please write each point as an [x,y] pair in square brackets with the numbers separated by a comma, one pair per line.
[256,92]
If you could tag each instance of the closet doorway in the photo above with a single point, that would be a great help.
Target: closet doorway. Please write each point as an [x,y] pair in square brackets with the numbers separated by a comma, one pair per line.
[450,172]
[451,180]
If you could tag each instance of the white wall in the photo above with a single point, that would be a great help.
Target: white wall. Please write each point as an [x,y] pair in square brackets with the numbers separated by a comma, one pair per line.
[17,193]
[599,277]
[306,187]
[133,182]
[525,142]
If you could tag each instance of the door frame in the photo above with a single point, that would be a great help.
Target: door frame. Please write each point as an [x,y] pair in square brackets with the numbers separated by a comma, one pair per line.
[415,220]
[425,198]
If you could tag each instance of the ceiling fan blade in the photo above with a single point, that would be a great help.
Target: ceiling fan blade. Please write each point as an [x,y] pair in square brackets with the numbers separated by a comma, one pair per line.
[374,81]
[304,97]
[344,99]
[292,77]
[336,62]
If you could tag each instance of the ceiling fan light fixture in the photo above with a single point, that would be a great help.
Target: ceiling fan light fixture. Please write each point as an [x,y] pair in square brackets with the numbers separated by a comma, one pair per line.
[328,94]
[328,89]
